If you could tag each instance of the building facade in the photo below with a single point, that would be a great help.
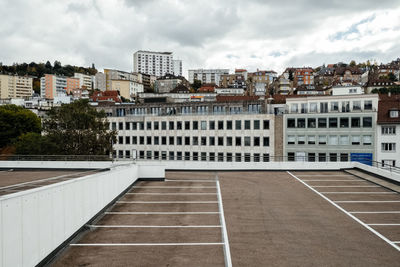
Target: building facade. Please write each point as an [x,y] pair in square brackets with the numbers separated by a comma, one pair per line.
[52,86]
[111,74]
[330,128]
[388,131]
[153,63]
[100,81]
[127,89]
[12,86]
[193,131]
[207,75]
[84,80]
[177,64]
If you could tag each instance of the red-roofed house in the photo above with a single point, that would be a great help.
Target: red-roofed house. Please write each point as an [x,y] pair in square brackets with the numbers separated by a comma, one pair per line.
[109,96]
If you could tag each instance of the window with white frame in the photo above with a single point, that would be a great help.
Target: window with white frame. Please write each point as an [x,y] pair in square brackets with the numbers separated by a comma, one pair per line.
[313,107]
[301,139]
[311,139]
[388,147]
[291,139]
[367,139]
[322,139]
[333,140]
[394,114]
[335,106]
[344,140]
[294,108]
[355,140]
[356,105]
[388,130]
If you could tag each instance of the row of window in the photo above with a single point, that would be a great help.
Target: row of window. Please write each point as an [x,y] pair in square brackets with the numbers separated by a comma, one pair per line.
[342,122]
[388,147]
[196,156]
[195,140]
[388,130]
[334,106]
[330,140]
[322,157]
[193,125]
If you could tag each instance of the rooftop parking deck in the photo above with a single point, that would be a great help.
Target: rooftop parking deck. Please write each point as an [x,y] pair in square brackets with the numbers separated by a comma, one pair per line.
[274,218]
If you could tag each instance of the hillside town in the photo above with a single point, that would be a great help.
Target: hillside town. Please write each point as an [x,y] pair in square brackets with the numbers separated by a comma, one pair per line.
[335,112]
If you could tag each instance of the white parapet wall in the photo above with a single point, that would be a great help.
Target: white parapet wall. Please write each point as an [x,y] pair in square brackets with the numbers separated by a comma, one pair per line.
[387,173]
[35,222]
[59,164]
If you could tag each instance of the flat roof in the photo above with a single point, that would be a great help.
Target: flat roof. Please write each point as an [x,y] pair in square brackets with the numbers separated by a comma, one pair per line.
[279,218]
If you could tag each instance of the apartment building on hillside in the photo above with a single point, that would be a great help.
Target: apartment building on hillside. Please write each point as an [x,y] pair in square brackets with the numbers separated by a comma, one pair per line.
[13,86]
[153,63]
[330,128]
[52,86]
[207,75]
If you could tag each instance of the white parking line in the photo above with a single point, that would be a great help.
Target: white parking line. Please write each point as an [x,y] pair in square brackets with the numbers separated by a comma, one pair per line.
[346,212]
[373,212]
[366,201]
[172,194]
[358,192]
[167,202]
[338,175]
[384,224]
[174,180]
[345,186]
[200,187]
[154,226]
[143,244]
[161,213]
[227,252]
[334,180]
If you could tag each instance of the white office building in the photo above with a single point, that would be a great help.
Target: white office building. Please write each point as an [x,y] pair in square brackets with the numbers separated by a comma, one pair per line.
[207,75]
[84,80]
[330,128]
[153,63]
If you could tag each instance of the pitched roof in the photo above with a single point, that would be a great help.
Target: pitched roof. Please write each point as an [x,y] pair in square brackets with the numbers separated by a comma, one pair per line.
[386,104]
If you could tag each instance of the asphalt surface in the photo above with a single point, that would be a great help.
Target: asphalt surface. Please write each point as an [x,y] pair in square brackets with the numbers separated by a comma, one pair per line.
[14,180]
[272,219]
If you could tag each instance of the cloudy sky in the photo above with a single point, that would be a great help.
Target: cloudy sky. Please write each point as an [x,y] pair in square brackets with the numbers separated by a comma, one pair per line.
[264,34]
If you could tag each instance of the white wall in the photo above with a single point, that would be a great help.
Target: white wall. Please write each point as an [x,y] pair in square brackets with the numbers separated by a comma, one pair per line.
[35,222]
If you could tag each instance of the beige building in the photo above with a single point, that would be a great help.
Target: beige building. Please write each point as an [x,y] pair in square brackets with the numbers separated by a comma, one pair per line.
[12,86]
[84,80]
[127,89]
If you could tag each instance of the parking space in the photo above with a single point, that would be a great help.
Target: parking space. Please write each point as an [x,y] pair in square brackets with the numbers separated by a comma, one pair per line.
[178,219]
[373,206]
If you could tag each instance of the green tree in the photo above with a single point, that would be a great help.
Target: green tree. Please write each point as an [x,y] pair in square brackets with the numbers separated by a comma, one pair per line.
[79,129]
[14,121]
[196,84]
[353,63]
[34,144]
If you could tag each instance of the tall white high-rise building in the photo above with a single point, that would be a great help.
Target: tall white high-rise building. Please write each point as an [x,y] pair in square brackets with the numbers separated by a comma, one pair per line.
[207,75]
[177,64]
[153,63]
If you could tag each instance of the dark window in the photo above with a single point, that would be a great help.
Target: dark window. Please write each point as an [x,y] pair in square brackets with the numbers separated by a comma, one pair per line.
[211,141]
[321,122]
[203,156]
[291,123]
[187,155]
[156,154]
[238,125]
[311,123]
[187,125]
[127,140]
[212,125]
[179,140]
[256,141]
[229,125]
[171,140]
[203,140]
[311,157]
[195,125]
[344,157]
[322,157]
[120,126]
[247,141]
[220,125]
[179,155]
[344,122]
[195,141]
[195,156]
[220,156]
[171,125]
[229,141]
[256,125]
[114,126]
[333,123]
[238,141]
[229,157]
[163,140]
[290,156]
[247,125]
[148,140]
[220,141]
[247,157]
[163,125]
[238,157]
[127,126]
[212,156]
[179,125]
[156,140]
[141,140]
[256,157]
[367,122]
[265,157]
[265,141]
[141,125]
[156,125]
[134,140]
[301,123]
[266,124]
[355,122]
[332,157]
[148,127]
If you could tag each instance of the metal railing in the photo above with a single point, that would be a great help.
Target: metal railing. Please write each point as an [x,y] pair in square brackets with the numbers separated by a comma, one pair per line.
[385,166]
[55,157]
